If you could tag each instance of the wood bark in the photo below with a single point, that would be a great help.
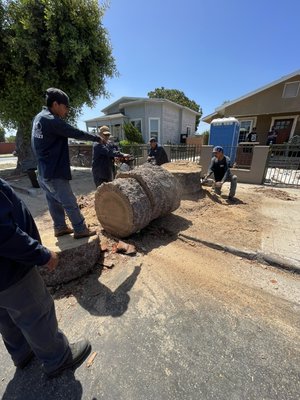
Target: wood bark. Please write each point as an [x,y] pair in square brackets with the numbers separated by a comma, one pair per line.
[76,258]
[135,198]
[160,186]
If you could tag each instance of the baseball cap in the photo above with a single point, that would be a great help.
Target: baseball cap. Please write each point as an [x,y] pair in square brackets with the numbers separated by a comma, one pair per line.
[218,149]
[106,133]
[153,139]
[103,128]
[54,94]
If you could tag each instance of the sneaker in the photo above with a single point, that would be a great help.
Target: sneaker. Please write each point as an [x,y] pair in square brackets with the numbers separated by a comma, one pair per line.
[85,233]
[78,353]
[63,231]
[26,360]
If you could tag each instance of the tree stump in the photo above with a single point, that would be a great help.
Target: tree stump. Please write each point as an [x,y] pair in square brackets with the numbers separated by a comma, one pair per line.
[76,257]
[187,174]
[135,198]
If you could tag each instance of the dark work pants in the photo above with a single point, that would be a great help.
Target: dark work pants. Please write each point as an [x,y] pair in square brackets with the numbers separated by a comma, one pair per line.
[28,322]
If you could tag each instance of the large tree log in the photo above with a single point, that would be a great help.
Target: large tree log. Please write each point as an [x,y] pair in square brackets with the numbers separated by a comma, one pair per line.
[76,257]
[122,207]
[135,198]
[160,186]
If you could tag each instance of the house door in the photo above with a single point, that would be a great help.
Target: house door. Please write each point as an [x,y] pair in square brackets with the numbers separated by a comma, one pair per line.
[283,128]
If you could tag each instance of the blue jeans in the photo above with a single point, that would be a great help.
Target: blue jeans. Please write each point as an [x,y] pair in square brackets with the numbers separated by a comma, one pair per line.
[28,323]
[61,201]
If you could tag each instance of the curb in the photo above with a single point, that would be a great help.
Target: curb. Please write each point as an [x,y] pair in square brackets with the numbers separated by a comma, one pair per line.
[274,260]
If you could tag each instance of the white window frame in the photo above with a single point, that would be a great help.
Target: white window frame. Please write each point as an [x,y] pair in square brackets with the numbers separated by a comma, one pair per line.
[158,128]
[285,90]
[253,122]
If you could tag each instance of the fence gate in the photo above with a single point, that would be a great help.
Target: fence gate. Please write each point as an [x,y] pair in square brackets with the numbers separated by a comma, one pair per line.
[283,165]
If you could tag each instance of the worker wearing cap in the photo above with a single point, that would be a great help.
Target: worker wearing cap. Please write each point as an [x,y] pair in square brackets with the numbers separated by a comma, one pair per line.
[157,153]
[103,153]
[49,140]
[220,167]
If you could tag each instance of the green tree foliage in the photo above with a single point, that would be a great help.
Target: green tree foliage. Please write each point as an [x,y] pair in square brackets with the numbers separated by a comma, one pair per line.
[2,134]
[11,139]
[50,43]
[132,134]
[178,97]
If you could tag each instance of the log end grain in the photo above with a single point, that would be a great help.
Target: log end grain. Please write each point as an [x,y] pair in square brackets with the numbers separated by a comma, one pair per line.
[122,207]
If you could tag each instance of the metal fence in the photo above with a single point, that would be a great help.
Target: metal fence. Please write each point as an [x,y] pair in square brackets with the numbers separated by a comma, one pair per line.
[185,152]
[283,165]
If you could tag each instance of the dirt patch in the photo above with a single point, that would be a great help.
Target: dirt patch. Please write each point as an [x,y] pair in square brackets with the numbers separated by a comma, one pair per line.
[276,193]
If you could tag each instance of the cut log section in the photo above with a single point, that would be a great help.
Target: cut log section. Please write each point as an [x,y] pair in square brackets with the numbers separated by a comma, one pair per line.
[162,189]
[187,174]
[76,257]
[135,198]
[122,207]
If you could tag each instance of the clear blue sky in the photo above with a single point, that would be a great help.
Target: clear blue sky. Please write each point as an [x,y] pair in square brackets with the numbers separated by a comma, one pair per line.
[212,50]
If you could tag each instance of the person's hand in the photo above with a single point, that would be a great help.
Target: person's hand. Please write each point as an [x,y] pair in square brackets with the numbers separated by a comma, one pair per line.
[53,262]
[218,184]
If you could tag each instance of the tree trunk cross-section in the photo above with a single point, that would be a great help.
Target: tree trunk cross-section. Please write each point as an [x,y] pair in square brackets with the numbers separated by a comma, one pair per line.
[135,198]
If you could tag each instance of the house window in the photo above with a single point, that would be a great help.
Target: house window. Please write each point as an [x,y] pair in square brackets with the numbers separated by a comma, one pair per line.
[137,123]
[245,127]
[154,128]
[291,90]
[188,131]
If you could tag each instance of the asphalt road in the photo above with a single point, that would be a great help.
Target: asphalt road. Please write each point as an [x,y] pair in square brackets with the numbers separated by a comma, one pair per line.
[208,326]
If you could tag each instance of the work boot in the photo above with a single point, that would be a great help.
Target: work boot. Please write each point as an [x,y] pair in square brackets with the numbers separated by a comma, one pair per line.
[78,353]
[26,360]
[63,231]
[85,233]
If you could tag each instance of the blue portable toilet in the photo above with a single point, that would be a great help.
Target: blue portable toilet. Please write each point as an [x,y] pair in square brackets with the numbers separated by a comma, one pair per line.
[225,132]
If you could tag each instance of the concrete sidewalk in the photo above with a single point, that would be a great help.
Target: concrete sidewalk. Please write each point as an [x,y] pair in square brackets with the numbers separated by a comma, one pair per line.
[283,238]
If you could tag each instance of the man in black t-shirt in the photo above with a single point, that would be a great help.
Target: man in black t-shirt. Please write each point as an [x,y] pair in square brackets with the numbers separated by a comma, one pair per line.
[220,167]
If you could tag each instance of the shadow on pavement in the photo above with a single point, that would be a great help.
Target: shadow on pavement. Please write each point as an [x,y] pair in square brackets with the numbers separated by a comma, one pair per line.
[32,384]
[97,298]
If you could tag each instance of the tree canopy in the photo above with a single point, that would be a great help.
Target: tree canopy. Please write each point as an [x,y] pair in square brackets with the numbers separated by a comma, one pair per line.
[51,43]
[132,134]
[178,97]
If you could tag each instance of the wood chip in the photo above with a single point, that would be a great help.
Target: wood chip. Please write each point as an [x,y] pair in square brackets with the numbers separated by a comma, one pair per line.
[91,359]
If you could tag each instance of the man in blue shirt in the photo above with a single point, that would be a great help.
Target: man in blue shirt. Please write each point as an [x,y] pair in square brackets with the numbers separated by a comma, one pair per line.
[28,323]
[49,140]
[220,167]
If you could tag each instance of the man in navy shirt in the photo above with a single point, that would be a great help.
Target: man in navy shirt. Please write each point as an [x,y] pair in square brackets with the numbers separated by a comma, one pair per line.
[220,167]
[28,323]
[103,158]
[49,140]
[157,153]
